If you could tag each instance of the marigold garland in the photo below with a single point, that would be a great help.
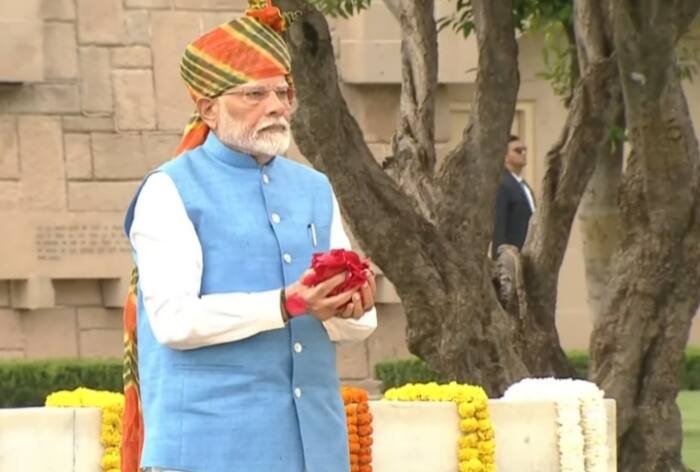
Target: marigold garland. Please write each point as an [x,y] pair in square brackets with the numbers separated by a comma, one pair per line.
[477,450]
[359,420]
[112,406]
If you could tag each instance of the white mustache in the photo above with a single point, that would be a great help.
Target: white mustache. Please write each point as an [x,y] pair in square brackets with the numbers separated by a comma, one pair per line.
[273,122]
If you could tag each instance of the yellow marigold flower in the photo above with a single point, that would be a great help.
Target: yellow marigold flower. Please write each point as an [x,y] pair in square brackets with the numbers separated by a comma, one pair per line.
[484,425]
[469,440]
[467,453]
[466,409]
[472,465]
[468,425]
[487,447]
[111,460]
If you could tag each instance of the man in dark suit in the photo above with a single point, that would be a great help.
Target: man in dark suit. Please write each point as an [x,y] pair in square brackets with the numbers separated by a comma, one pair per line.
[515,201]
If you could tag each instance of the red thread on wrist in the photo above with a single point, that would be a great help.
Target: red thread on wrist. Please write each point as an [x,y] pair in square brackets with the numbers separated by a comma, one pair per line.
[295,305]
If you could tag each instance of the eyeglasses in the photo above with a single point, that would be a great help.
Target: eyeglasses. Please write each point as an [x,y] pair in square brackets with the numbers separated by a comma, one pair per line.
[520,149]
[255,96]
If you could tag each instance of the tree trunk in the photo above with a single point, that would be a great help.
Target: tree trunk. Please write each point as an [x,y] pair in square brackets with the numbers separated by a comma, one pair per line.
[653,291]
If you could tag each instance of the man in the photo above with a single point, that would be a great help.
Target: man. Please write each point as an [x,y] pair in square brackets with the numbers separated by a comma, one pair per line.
[222,235]
[515,203]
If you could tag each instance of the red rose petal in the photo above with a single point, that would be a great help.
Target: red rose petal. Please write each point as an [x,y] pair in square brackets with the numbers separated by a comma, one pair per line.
[295,305]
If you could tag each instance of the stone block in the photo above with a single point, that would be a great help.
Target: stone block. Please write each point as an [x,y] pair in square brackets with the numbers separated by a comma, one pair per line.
[4,293]
[171,32]
[40,98]
[51,333]
[231,5]
[88,123]
[151,4]
[118,156]
[114,291]
[370,62]
[12,10]
[96,84]
[101,196]
[48,430]
[137,27]
[11,330]
[386,292]
[32,293]
[10,195]
[78,156]
[9,148]
[351,361]
[389,340]
[60,51]
[131,57]
[102,342]
[77,292]
[87,452]
[135,99]
[101,22]
[160,148]
[211,20]
[58,9]
[43,172]
[98,317]
[22,41]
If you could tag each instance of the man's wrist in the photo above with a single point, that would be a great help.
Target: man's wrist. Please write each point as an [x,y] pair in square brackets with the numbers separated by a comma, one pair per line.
[283,307]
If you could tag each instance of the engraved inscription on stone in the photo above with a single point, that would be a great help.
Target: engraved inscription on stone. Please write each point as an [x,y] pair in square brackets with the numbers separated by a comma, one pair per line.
[57,242]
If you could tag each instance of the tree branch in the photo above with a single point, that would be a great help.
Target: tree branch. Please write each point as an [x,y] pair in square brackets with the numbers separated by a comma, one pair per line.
[413,162]
[470,173]
[331,139]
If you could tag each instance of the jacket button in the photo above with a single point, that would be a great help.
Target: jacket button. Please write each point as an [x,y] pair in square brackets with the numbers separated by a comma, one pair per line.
[275,218]
[298,347]
[297,392]
[287,258]
[266,179]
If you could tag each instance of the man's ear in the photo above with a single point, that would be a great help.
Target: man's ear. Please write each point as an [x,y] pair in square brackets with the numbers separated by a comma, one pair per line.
[208,109]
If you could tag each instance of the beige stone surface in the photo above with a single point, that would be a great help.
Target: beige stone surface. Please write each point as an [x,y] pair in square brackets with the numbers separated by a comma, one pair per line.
[157,4]
[101,22]
[78,155]
[32,293]
[101,342]
[351,361]
[21,38]
[39,98]
[160,148]
[131,57]
[137,27]
[77,292]
[10,194]
[118,156]
[60,51]
[11,331]
[41,152]
[236,5]
[389,340]
[99,318]
[9,148]
[114,290]
[171,32]
[24,10]
[67,438]
[76,245]
[100,196]
[211,20]
[135,100]
[51,333]
[96,83]
[4,293]
[58,9]
[88,123]
[9,354]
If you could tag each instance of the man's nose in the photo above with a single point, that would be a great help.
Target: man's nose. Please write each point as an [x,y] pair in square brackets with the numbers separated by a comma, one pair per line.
[274,105]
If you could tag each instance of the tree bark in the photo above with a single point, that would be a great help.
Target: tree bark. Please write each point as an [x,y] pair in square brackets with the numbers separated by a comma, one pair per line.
[656,270]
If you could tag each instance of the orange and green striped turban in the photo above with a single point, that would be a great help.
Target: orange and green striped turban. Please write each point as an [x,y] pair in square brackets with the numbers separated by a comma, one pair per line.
[240,51]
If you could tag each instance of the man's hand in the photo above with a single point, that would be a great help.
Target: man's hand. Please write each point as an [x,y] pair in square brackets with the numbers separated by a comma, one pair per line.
[317,301]
[362,301]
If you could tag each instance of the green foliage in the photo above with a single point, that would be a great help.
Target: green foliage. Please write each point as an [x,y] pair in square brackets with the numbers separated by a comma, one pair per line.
[400,372]
[689,404]
[27,383]
[342,8]
[688,53]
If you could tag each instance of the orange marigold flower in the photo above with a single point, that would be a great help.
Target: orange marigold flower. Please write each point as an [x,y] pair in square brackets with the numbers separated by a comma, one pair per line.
[364,430]
[366,441]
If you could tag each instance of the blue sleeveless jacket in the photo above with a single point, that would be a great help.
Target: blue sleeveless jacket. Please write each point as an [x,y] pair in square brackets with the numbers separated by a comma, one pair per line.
[269,402]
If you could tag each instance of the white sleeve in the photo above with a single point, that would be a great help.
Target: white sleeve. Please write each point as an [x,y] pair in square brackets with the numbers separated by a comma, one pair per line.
[169,258]
[340,329]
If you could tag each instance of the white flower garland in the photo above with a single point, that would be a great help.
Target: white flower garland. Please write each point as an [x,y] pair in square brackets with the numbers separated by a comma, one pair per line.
[581,419]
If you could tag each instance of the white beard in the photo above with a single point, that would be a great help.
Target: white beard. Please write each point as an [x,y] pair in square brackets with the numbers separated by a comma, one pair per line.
[258,141]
